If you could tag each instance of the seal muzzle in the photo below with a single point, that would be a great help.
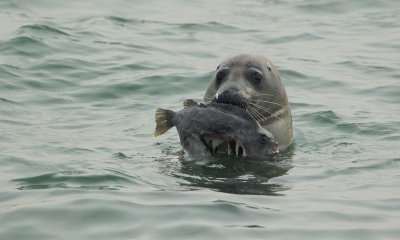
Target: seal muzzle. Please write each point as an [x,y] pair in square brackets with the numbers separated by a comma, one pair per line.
[230,95]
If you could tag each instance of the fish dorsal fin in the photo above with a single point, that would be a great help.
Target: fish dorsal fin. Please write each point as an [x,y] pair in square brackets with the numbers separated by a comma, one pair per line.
[189,103]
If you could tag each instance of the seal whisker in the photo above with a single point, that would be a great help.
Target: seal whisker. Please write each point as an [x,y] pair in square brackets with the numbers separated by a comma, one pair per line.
[269,111]
[250,110]
[264,109]
[257,115]
[260,107]
[267,102]
[263,94]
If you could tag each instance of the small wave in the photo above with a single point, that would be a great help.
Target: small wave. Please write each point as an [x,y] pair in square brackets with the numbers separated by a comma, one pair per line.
[290,73]
[293,38]
[327,116]
[23,41]
[330,7]
[40,29]
[375,166]
[15,122]
[389,129]
[123,21]
[25,46]
[303,105]
[120,155]
[9,70]
[332,119]
[388,93]
[114,91]
[208,27]
[73,179]
[7,101]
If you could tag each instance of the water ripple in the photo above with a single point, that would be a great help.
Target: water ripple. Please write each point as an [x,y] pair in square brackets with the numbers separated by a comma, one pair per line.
[79,82]
[73,180]
[25,46]
[40,29]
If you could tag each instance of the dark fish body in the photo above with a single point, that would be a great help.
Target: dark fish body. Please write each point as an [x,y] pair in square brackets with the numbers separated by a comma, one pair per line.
[216,128]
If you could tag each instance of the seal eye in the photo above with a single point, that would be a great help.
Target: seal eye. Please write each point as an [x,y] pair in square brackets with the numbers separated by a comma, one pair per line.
[220,75]
[256,76]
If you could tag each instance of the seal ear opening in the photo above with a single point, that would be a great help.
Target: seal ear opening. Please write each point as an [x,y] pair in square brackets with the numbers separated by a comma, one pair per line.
[163,121]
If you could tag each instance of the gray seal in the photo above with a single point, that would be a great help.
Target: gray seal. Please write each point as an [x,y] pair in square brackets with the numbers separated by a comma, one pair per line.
[253,83]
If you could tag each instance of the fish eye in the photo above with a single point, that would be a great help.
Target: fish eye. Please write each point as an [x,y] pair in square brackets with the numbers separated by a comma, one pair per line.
[264,139]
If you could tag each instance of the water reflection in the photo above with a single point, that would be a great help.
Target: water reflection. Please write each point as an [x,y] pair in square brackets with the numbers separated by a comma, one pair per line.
[236,175]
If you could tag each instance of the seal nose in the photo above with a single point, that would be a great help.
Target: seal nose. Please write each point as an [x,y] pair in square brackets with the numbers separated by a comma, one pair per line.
[230,95]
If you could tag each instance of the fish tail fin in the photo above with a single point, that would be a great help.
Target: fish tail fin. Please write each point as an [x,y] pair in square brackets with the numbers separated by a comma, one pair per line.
[163,121]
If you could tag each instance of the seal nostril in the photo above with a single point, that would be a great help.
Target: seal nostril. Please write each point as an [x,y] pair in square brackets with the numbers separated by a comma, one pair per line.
[230,96]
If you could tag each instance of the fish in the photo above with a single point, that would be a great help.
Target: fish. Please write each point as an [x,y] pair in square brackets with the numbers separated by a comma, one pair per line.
[216,128]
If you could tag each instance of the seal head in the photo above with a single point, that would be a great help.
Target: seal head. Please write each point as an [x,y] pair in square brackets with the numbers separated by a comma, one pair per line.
[253,83]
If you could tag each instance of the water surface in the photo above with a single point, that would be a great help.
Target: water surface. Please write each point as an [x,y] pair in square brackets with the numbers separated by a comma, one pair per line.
[79,83]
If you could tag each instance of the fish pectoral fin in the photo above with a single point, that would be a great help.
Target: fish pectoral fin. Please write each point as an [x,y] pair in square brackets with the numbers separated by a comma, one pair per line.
[189,103]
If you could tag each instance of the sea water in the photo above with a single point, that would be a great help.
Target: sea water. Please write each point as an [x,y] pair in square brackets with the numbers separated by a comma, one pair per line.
[80,82]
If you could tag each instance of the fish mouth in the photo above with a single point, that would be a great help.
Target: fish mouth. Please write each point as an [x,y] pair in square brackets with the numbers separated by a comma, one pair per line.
[274,149]
[222,144]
